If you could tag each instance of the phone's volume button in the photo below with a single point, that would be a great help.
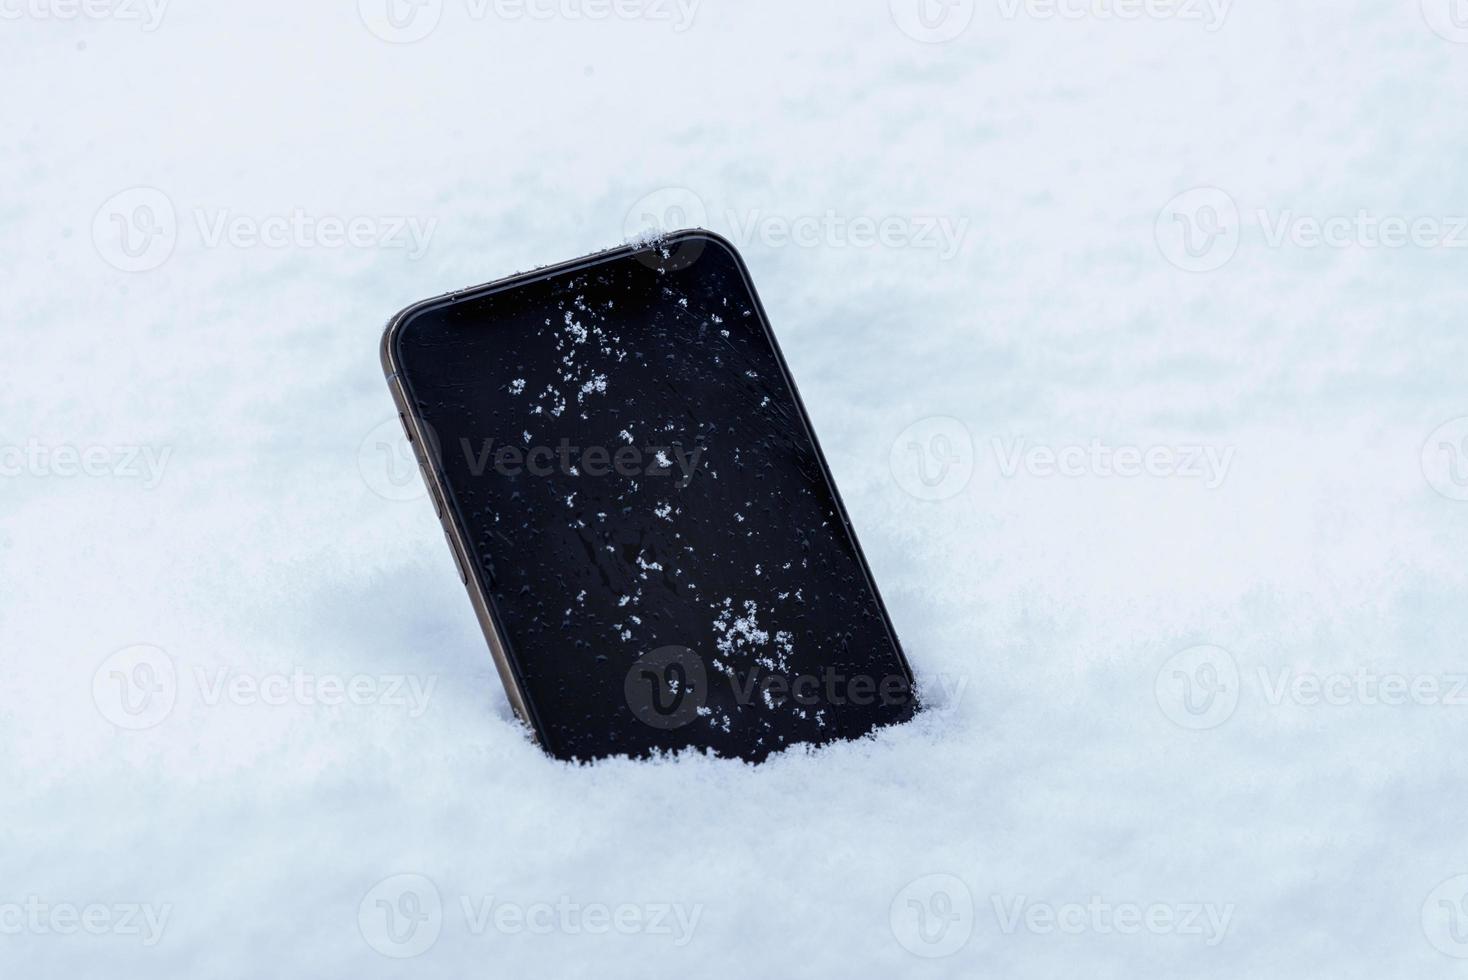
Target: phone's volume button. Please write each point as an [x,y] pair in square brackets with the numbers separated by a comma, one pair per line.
[407,429]
[432,486]
[458,558]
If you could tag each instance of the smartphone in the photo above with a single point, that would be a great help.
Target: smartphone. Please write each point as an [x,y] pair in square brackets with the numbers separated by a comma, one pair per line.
[639,510]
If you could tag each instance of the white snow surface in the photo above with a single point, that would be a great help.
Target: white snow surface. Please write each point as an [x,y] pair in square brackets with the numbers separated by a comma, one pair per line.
[1061,773]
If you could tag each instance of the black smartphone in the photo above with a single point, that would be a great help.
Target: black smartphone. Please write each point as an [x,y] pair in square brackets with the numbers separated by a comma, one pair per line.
[639,509]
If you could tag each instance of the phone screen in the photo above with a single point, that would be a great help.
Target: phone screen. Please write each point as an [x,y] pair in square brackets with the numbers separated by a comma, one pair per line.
[647,512]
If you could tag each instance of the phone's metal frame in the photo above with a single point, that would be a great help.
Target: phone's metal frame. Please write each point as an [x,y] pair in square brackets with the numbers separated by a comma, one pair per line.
[420,436]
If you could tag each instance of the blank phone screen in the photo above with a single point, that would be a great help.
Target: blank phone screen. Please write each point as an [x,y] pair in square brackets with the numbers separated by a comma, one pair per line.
[647,512]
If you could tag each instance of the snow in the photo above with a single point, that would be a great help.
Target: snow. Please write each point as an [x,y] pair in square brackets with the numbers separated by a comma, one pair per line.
[1008,268]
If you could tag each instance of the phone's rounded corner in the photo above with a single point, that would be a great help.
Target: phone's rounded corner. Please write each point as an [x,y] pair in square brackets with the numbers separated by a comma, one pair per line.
[392,335]
[707,237]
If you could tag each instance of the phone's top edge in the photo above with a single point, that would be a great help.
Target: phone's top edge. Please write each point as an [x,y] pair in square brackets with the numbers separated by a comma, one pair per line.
[386,351]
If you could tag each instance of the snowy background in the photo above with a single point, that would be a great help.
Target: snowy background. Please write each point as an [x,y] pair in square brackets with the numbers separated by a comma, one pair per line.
[1202,720]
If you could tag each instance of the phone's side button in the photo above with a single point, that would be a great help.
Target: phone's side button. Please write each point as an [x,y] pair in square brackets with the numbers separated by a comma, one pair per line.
[432,488]
[458,558]
[407,430]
